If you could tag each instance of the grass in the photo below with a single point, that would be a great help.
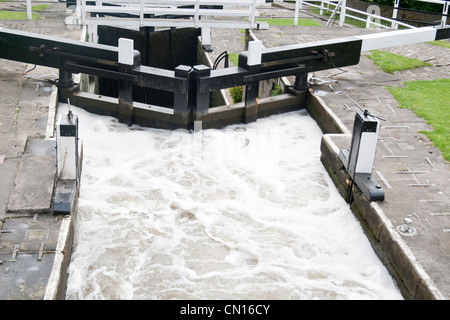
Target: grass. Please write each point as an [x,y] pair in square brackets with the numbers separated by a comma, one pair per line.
[234,58]
[39,7]
[441,43]
[17,15]
[22,15]
[276,90]
[390,62]
[290,22]
[352,21]
[431,101]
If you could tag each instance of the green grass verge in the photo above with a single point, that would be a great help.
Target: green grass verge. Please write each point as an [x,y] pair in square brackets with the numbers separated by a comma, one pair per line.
[441,43]
[290,22]
[234,58]
[17,15]
[39,7]
[352,21]
[390,62]
[429,100]
[22,15]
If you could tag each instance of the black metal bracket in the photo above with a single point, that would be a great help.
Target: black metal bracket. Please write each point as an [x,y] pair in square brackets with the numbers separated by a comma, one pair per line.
[368,185]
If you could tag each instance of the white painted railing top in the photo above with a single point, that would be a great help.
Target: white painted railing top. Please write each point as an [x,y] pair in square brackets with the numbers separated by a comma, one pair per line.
[170,13]
[339,7]
[372,17]
[445,6]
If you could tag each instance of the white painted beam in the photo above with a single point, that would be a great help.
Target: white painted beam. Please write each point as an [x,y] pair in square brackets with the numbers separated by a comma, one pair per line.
[397,38]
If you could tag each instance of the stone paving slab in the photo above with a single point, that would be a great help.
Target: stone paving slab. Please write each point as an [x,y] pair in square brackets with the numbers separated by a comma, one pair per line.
[30,232]
[28,245]
[24,279]
[8,171]
[33,187]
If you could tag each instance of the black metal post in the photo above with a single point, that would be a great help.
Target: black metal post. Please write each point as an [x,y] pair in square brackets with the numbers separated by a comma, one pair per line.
[181,108]
[65,79]
[66,85]
[251,102]
[125,112]
[201,98]
[300,84]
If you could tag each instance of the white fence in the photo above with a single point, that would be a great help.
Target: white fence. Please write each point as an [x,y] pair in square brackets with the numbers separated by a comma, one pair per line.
[340,8]
[372,17]
[445,5]
[170,13]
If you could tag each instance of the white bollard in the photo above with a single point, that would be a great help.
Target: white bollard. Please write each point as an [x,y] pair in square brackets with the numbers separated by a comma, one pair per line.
[364,144]
[67,147]
[359,160]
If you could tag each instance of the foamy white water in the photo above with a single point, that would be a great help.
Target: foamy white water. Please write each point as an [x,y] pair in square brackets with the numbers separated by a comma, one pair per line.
[247,212]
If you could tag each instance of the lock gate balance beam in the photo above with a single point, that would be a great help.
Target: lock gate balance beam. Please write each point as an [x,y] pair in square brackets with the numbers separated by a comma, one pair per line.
[191,85]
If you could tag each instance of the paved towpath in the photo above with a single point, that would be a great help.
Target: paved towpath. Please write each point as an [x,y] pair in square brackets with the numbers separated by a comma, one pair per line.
[29,231]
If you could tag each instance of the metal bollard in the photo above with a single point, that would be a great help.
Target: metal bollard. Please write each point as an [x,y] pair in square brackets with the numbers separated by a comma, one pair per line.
[68,164]
[359,160]
[67,147]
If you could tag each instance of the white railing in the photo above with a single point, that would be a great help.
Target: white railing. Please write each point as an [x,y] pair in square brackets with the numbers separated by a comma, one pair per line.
[29,13]
[445,5]
[151,12]
[340,8]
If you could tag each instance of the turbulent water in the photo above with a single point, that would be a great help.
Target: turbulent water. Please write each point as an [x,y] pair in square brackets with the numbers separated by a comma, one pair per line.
[246,212]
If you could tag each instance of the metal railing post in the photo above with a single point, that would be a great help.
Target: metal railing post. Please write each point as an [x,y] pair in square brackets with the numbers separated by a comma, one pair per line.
[253,14]
[141,13]
[29,13]
[297,8]
[343,13]
[444,13]
[197,13]
[394,24]
[83,12]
